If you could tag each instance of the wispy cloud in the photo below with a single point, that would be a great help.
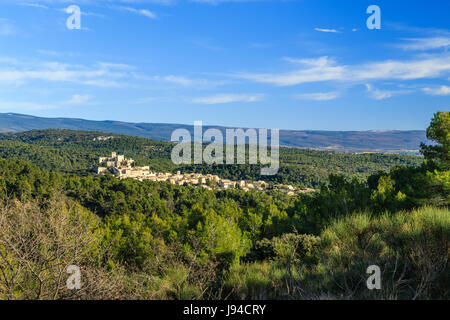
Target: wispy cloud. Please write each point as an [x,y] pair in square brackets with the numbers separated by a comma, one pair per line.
[378,94]
[320,69]
[184,81]
[93,14]
[33,4]
[78,99]
[227,98]
[142,12]
[440,91]
[116,66]
[326,69]
[102,74]
[326,30]
[318,96]
[419,68]
[423,44]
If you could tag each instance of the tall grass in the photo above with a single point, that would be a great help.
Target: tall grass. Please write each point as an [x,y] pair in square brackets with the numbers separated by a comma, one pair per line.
[411,249]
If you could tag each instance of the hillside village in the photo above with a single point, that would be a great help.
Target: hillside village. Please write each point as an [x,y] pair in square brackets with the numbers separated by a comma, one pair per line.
[124,168]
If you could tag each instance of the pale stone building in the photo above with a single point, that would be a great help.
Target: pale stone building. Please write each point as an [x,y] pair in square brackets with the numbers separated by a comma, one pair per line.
[123,168]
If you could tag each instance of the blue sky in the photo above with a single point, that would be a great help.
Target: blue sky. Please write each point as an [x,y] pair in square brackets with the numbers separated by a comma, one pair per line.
[299,64]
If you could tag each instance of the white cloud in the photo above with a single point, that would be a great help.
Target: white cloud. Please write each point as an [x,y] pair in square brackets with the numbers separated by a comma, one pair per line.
[119,66]
[142,12]
[424,44]
[441,91]
[425,67]
[318,96]
[378,94]
[178,80]
[33,4]
[188,82]
[227,98]
[326,69]
[320,69]
[326,30]
[102,74]
[78,99]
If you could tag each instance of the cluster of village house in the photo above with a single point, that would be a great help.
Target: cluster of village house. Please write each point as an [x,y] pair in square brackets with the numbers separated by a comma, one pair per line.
[123,168]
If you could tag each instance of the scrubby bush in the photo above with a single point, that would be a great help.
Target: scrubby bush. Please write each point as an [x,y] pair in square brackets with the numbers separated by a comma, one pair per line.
[38,243]
[411,248]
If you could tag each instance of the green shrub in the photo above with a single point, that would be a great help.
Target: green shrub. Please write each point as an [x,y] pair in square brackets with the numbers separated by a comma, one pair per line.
[411,248]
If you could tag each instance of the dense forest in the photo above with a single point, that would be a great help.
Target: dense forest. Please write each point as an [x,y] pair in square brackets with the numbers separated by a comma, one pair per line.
[70,151]
[153,240]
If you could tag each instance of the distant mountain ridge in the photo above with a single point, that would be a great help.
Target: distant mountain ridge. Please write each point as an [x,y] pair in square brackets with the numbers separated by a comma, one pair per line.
[391,141]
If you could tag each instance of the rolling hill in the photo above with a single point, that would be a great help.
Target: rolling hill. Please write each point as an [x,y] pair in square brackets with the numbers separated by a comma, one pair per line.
[75,151]
[392,141]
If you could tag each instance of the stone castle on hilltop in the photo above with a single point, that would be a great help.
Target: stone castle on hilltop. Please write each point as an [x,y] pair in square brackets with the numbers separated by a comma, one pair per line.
[124,168]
